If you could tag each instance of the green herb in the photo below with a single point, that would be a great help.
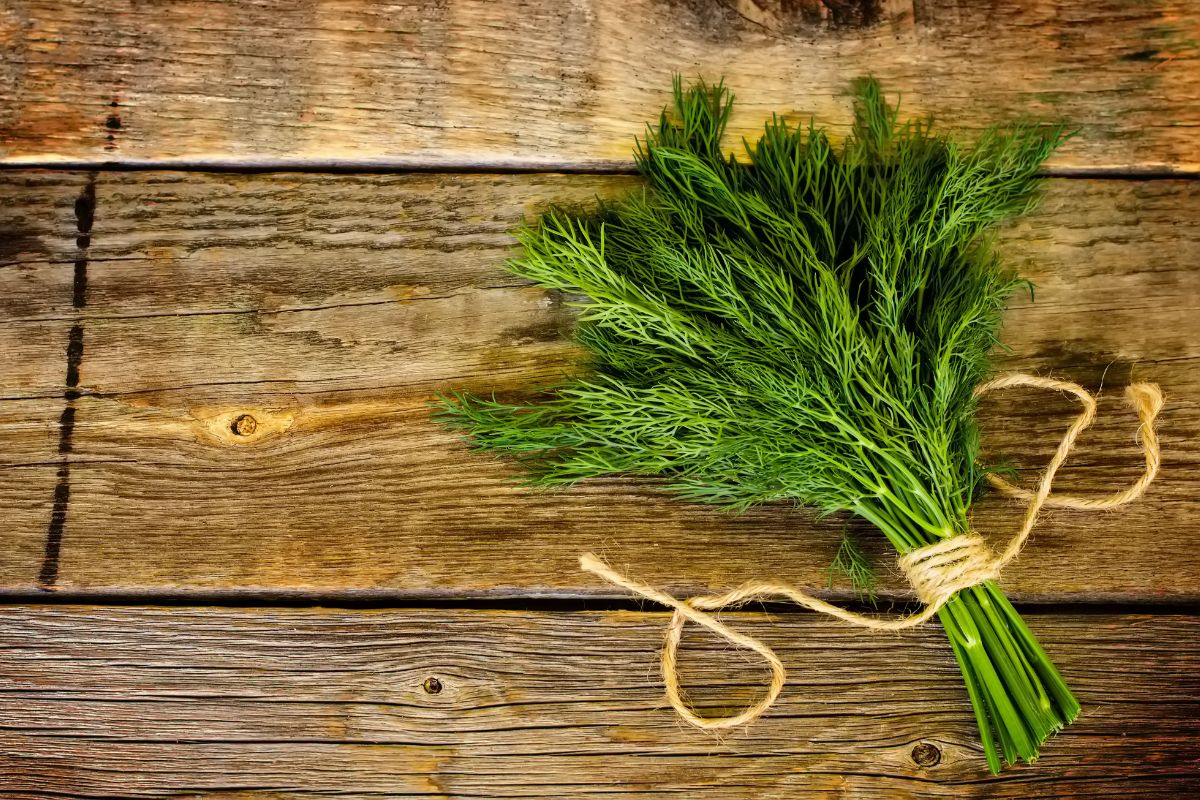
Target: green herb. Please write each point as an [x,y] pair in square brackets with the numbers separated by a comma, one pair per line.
[851,561]
[806,325]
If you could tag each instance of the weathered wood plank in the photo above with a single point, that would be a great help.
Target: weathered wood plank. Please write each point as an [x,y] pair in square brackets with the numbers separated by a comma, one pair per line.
[330,308]
[290,704]
[329,311]
[535,83]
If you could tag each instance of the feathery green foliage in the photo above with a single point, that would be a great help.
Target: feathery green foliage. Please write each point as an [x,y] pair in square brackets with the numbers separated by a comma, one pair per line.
[851,561]
[807,324]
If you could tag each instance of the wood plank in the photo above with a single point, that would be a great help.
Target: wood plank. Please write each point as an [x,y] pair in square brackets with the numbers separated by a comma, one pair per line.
[43,222]
[40,241]
[329,309]
[291,704]
[30,462]
[535,83]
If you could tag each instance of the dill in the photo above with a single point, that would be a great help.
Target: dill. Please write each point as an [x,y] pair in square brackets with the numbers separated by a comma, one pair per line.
[806,324]
[851,561]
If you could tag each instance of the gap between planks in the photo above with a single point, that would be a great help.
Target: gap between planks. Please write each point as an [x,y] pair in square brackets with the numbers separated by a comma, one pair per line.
[389,166]
[887,602]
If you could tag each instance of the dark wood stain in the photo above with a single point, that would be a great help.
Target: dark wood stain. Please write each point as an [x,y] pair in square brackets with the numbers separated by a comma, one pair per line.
[14,241]
[85,212]
[723,20]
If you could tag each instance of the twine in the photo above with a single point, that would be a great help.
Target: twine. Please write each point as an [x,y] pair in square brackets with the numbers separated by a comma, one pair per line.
[937,571]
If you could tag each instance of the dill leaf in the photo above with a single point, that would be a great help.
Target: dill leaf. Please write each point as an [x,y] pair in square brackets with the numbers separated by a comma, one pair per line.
[852,562]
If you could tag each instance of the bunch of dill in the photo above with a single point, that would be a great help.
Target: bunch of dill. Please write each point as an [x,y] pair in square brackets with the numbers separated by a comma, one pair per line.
[808,324]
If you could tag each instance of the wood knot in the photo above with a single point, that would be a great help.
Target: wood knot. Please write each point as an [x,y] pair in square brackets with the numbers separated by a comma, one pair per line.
[244,425]
[432,685]
[926,755]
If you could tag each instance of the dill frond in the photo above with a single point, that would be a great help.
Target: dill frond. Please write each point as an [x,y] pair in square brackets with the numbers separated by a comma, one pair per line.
[851,561]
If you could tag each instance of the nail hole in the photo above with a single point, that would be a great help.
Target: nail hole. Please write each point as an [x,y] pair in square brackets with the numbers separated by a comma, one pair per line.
[244,425]
[926,755]
[113,122]
[432,686]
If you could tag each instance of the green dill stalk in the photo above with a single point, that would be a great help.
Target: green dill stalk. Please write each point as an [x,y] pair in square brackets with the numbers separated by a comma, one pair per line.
[807,325]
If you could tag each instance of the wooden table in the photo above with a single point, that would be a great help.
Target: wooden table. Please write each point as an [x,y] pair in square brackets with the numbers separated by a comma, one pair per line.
[242,244]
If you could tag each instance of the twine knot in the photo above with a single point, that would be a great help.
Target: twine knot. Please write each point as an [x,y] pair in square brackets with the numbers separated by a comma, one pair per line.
[939,570]
[936,571]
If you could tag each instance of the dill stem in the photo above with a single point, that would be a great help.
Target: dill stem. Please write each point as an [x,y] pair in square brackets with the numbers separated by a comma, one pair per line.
[974,692]
[901,538]
[1014,689]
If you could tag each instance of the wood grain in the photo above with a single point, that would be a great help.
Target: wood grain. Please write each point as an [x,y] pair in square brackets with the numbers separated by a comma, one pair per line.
[291,704]
[40,242]
[29,465]
[329,309]
[542,84]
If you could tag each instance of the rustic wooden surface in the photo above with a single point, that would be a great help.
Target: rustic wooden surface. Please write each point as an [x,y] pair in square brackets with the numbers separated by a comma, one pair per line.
[213,389]
[290,704]
[545,84]
[330,308]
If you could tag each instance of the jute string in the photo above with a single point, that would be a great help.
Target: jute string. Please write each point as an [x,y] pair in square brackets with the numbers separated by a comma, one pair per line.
[936,571]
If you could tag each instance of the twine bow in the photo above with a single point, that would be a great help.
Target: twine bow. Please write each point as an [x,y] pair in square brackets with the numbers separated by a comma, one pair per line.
[936,571]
